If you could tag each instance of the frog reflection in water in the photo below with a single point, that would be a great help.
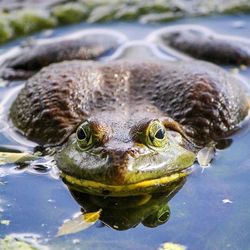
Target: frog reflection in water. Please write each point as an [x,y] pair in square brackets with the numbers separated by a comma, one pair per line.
[123,213]
[128,126]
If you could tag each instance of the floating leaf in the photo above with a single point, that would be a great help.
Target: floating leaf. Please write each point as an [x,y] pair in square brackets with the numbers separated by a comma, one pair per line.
[205,156]
[79,223]
[172,246]
[5,222]
[7,157]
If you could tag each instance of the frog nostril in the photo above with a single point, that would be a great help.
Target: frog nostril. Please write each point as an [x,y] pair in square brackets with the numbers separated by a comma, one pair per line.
[116,158]
[133,152]
[104,153]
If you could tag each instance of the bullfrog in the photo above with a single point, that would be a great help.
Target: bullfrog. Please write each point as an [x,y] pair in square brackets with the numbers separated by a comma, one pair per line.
[125,126]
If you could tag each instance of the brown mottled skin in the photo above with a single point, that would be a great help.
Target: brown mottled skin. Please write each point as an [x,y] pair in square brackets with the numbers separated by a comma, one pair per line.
[121,105]
[204,44]
[207,101]
[35,55]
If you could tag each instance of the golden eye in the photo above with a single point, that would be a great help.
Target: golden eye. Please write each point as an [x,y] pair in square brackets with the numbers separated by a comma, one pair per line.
[156,134]
[84,136]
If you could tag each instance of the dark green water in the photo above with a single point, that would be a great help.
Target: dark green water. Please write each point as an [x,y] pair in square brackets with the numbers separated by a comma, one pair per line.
[36,203]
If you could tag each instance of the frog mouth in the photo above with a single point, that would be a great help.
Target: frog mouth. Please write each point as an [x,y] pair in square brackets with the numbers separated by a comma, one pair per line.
[133,189]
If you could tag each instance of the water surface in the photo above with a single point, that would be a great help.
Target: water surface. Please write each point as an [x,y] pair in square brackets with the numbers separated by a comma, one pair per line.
[210,212]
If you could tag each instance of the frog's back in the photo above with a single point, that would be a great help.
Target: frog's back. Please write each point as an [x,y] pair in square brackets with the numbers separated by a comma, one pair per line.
[204,98]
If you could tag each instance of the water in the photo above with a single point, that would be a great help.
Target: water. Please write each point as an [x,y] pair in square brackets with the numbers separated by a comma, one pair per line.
[211,211]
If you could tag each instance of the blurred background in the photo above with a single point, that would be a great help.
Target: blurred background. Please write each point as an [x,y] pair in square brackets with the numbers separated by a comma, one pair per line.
[22,17]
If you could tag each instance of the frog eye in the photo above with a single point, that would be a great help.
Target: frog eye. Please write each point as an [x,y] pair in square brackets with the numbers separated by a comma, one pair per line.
[84,136]
[156,134]
[160,134]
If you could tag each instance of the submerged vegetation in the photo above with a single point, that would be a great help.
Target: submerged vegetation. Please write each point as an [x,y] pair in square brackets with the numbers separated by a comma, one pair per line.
[18,21]
[10,242]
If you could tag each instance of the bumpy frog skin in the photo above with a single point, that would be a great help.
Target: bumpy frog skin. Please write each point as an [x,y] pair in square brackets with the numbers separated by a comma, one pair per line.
[126,126]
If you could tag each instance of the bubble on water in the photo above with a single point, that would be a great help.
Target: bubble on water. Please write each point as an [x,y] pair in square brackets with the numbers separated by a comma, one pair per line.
[225,201]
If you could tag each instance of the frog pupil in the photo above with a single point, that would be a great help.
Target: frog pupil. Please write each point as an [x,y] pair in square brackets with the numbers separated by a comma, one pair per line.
[160,134]
[81,134]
